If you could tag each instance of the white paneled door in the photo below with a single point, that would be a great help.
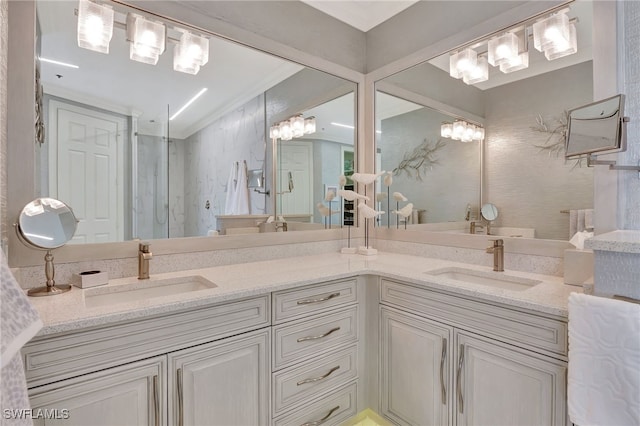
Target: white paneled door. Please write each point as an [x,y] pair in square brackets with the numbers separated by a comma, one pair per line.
[86,170]
[295,171]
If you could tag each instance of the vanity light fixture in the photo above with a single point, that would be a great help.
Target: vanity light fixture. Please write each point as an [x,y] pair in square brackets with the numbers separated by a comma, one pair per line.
[286,132]
[95,26]
[293,127]
[191,52]
[189,102]
[147,38]
[297,126]
[274,131]
[554,34]
[462,131]
[309,125]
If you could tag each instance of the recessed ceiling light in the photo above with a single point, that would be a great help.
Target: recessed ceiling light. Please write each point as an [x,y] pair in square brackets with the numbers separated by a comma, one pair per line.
[185,106]
[52,61]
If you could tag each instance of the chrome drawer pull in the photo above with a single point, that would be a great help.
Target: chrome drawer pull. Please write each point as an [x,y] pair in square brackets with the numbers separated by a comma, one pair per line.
[322,299]
[304,339]
[322,420]
[317,379]
[180,397]
[460,364]
[442,361]
[156,401]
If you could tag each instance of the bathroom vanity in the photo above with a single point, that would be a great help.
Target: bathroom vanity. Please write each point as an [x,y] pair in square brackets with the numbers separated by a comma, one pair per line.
[308,342]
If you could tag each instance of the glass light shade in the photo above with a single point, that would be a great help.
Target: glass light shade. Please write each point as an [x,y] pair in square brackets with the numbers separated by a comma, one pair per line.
[479,73]
[561,49]
[194,47]
[147,39]
[95,26]
[297,126]
[478,135]
[446,130]
[519,63]
[286,133]
[182,62]
[461,62]
[459,127]
[552,32]
[274,132]
[503,49]
[309,125]
[469,131]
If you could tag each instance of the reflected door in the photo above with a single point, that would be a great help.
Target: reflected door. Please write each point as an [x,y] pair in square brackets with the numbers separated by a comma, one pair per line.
[296,160]
[87,170]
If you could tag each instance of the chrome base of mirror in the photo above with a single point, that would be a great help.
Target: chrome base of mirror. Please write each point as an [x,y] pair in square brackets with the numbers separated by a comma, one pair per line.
[49,290]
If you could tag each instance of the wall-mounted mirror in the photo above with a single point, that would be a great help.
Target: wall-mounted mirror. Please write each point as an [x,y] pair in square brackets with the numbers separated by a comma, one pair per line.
[596,127]
[524,113]
[122,150]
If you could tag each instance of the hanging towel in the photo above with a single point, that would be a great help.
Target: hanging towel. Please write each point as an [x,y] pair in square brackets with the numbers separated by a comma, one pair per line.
[19,323]
[588,219]
[604,361]
[241,201]
[580,220]
[229,204]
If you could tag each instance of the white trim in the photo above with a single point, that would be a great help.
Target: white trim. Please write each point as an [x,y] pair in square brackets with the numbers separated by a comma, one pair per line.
[89,100]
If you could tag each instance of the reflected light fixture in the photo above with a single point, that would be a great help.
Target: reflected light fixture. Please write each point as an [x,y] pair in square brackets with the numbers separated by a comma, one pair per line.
[293,127]
[462,62]
[309,125]
[191,52]
[297,126]
[462,131]
[478,73]
[147,38]
[286,133]
[95,26]
[189,102]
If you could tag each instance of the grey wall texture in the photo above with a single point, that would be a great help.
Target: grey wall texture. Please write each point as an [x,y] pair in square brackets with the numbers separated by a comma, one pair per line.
[4,19]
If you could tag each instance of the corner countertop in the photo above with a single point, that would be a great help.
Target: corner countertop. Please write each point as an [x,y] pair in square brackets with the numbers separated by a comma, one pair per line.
[621,241]
[69,312]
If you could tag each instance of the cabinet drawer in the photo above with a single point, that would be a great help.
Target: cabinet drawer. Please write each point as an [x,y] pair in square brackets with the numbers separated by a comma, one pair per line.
[58,357]
[304,382]
[294,304]
[331,410]
[508,325]
[302,339]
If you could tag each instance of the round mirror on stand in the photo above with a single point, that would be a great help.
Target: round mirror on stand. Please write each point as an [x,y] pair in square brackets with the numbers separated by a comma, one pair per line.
[489,212]
[46,224]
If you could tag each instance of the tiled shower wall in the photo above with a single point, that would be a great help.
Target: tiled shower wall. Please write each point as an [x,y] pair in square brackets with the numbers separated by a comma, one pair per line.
[629,197]
[4,19]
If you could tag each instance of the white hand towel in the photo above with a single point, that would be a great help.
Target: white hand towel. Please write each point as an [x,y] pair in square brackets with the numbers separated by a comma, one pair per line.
[229,203]
[242,191]
[573,222]
[604,361]
[588,219]
[19,323]
[580,224]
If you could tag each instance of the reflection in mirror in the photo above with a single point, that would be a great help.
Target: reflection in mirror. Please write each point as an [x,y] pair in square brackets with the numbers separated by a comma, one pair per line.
[596,127]
[489,212]
[440,176]
[144,151]
[525,117]
[47,223]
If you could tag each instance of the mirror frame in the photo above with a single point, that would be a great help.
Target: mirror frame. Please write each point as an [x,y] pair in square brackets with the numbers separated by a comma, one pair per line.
[21,256]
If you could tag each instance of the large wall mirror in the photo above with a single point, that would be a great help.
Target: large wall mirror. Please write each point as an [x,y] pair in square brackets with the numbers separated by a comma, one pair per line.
[522,169]
[135,159]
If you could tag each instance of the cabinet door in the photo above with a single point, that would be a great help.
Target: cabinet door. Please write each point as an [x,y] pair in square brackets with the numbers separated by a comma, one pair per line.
[221,383]
[414,369]
[497,384]
[132,394]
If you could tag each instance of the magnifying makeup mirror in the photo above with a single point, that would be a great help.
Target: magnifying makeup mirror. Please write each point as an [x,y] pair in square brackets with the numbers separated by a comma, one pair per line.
[46,224]
[489,212]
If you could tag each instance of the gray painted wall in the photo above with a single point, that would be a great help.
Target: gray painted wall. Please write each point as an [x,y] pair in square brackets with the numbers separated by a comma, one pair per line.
[528,186]
[4,17]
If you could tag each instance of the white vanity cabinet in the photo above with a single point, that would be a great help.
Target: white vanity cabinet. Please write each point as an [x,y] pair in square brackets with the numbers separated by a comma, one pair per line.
[448,360]
[208,366]
[315,353]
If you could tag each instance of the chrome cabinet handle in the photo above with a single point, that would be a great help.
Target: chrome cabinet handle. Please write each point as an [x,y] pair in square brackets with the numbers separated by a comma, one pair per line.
[322,299]
[317,379]
[459,378]
[156,400]
[322,420]
[442,361]
[180,398]
[304,339]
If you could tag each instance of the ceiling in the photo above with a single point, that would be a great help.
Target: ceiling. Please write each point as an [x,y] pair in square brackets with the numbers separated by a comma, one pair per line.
[361,14]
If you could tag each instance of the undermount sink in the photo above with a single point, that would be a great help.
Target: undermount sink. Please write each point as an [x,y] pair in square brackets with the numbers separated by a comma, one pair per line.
[146,289]
[486,278]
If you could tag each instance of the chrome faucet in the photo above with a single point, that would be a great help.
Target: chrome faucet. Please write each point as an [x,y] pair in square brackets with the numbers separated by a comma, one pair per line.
[498,254]
[281,225]
[144,256]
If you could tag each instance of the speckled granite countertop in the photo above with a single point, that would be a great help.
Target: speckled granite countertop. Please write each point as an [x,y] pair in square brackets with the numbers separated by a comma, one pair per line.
[623,241]
[69,311]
